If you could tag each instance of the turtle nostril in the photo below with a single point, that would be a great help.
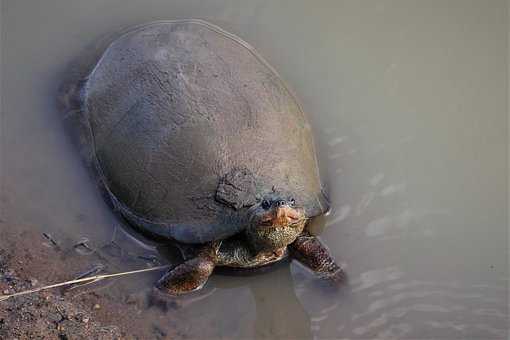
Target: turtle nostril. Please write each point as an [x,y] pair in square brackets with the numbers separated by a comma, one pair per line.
[281,203]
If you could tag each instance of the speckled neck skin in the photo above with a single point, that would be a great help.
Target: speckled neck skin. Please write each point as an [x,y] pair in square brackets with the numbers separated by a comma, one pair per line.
[269,238]
[236,252]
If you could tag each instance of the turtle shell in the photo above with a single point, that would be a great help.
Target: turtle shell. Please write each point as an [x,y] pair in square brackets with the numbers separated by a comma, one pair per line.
[189,127]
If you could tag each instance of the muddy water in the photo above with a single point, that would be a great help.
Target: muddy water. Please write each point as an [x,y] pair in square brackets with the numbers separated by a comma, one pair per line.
[408,100]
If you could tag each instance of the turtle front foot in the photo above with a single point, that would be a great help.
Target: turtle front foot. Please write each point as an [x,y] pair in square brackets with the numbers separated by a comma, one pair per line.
[308,250]
[187,277]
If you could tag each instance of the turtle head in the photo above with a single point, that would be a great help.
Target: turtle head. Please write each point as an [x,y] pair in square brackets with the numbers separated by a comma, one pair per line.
[275,222]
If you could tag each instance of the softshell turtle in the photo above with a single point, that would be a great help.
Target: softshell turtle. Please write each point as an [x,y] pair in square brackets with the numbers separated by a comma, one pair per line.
[196,139]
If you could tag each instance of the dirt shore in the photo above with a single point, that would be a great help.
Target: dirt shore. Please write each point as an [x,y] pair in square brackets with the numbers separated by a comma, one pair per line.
[28,260]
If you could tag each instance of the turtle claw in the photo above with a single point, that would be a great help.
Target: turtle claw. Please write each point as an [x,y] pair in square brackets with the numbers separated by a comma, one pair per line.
[310,252]
[186,277]
[336,275]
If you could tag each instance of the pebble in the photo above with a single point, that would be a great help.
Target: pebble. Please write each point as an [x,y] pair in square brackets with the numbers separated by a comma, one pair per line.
[96,306]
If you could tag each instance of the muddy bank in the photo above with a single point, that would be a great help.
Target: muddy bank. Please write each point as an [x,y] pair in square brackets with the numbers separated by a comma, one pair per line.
[29,260]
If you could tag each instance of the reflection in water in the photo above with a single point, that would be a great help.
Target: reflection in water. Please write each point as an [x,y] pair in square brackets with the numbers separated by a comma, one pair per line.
[279,311]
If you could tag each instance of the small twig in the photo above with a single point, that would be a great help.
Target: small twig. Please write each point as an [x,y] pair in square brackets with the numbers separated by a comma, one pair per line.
[85,279]
[96,289]
[94,271]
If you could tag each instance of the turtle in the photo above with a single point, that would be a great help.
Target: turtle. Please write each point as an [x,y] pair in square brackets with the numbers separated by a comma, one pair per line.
[196,139]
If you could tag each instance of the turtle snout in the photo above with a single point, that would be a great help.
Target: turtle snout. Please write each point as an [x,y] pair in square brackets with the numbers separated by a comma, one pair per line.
[287,215]
[280,213]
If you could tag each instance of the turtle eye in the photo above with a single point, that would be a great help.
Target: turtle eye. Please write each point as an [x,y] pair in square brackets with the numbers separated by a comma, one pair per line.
[292,202]
[266,204]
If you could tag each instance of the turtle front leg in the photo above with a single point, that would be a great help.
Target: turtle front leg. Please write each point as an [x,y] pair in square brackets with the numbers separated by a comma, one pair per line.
[190,275]
[308,250]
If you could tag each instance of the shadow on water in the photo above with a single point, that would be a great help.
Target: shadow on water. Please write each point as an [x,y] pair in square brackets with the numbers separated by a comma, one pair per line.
[279,312]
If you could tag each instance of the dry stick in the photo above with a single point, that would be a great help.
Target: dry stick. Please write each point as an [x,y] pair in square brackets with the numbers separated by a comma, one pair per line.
[85,279]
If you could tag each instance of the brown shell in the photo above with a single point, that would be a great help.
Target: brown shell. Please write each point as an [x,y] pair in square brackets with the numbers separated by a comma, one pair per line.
[190,126]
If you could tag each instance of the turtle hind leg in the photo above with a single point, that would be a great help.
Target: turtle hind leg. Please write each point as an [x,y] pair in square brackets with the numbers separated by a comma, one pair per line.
[308,250]
[188,276]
